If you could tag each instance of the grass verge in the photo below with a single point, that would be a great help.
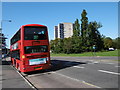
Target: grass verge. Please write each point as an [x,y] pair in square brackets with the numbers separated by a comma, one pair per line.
[102,53]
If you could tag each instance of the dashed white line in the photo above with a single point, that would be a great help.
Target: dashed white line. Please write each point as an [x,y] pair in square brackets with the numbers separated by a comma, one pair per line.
[110,63]
[109,72]
[117,66]
[78,67]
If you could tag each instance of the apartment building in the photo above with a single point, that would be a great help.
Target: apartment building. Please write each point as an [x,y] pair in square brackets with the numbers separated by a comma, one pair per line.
[63,30]
[55,32]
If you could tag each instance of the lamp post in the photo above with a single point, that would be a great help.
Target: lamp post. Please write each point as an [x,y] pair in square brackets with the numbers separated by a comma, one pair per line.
[2,24]
[1,35]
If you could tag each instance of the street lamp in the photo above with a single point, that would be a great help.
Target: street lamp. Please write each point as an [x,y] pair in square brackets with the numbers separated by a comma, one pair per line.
[2,24]
[5,21]
[1,35]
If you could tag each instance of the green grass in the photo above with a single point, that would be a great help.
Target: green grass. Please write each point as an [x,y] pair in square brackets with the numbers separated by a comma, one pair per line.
[104,53]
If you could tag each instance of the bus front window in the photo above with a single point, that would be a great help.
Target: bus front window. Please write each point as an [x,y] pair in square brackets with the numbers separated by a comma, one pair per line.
[35,49]
[35,33]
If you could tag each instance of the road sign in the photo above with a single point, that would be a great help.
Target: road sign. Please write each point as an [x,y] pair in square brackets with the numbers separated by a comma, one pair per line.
[94,47]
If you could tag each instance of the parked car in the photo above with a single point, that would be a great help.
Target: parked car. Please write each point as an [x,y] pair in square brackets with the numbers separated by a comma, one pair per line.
[111,49]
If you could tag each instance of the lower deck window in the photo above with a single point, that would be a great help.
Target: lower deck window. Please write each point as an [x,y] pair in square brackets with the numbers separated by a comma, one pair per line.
[15,54]
[35,49]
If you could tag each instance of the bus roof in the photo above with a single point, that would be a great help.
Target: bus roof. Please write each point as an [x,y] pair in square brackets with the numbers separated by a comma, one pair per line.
[34,25]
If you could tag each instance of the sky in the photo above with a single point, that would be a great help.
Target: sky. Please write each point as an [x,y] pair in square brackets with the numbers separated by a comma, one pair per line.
[60,0]
[53,13]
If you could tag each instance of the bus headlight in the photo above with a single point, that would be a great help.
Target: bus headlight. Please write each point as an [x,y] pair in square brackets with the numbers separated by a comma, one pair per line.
[23,56]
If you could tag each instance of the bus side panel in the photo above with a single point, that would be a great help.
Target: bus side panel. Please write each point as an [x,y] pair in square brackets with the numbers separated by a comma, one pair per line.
[21,49]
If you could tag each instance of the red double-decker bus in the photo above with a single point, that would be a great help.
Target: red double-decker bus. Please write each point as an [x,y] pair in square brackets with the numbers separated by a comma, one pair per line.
[30,48]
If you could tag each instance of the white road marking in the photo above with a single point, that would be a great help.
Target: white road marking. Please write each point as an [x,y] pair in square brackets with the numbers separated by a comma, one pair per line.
[117,66]
[95,62]
[109,72]
[33,75]
[38,74]
[83,64]
[110,63]
[78,67]
[90,63]
[77,80]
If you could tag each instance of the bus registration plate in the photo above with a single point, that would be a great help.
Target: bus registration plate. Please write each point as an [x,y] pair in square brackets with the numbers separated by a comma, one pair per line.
[37,61]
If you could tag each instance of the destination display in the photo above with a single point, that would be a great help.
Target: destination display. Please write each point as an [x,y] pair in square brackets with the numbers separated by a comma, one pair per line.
[37,61]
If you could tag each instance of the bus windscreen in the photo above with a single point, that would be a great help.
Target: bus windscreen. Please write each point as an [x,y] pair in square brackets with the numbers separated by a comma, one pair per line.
[35,33]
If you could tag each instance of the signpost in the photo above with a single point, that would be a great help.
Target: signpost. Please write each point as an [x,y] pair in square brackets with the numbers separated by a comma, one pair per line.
[94,48]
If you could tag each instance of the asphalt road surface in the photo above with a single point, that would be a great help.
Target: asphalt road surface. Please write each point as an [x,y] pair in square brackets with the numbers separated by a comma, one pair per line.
[75,72]
[78,72]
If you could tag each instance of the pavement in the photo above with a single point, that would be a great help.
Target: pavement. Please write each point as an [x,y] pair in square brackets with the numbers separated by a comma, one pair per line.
[0,74]
[11,79]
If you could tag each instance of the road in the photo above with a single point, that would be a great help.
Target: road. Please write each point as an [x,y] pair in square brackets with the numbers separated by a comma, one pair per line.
[77,72]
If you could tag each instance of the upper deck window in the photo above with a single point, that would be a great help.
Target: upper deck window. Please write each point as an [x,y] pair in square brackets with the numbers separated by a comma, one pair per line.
[16,37]
[35,33]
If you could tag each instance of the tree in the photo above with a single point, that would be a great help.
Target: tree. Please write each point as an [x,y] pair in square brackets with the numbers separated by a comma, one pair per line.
[84,23]
[76,29]
[67,46]
[52,45]
[93,36]
[108,42]
[84,26]
[56,46]
[116,43]
[76,45]
[89,33]
[76,39]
